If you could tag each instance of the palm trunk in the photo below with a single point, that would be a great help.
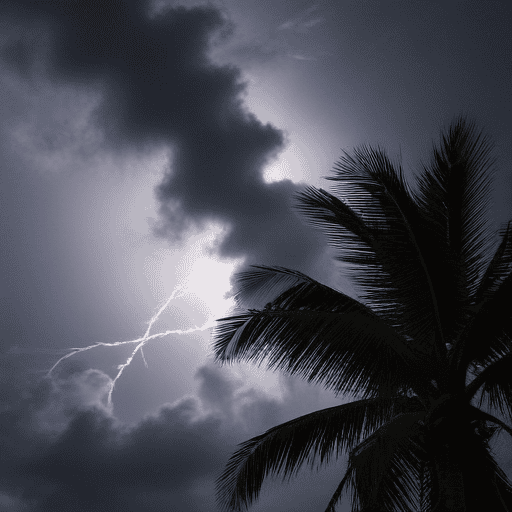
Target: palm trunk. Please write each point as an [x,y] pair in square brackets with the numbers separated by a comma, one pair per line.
[450,482]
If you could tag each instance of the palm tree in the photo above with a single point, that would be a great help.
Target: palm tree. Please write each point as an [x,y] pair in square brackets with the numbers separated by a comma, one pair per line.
[426,352]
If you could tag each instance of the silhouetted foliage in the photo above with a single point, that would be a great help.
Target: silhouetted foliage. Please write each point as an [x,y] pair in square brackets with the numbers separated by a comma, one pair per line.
[425,348]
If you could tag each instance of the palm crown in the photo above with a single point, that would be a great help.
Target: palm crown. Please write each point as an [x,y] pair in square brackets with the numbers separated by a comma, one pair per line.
[424,350]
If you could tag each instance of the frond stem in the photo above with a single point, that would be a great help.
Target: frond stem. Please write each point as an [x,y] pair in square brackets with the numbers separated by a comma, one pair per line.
[476,383]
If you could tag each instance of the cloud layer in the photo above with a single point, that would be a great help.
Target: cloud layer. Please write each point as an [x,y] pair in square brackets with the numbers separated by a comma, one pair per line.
[93,463]
[63,450]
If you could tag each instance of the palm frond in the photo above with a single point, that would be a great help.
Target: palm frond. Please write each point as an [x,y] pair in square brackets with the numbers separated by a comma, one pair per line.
[340,489]
[382,244]
[491,333]
[504,488]
[383,470]
[323,336]
[316,436]
[428,488]
[486,486]
[453,194]
[263,283]
[496,386]
[487,334]
[480,415]
[499,267]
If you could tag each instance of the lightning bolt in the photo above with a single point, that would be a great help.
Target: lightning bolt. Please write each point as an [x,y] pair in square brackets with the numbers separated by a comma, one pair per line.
[139,342]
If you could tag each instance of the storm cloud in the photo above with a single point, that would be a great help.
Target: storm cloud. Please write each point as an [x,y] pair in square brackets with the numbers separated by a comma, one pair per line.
[159,88]
[80,458]
[62,449]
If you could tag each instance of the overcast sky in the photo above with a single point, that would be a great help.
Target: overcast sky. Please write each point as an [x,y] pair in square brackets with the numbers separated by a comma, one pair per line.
[146,146]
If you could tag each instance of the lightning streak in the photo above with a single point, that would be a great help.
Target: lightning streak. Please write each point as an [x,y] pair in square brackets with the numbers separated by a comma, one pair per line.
[140,342]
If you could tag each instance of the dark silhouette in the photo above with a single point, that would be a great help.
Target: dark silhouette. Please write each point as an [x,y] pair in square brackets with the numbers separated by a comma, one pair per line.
[426,348]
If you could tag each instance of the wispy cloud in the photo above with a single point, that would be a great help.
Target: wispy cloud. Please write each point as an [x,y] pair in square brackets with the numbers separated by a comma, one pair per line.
[303,21]
[298,56]
[313,22]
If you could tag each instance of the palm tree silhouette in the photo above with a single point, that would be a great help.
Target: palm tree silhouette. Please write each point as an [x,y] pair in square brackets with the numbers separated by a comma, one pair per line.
[426,351]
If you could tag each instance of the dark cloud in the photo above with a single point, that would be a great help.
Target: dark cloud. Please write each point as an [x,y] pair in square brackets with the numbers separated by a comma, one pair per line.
[160,88]
[62,449]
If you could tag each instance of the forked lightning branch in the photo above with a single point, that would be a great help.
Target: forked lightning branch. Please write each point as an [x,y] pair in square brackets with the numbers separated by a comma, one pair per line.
[139,342]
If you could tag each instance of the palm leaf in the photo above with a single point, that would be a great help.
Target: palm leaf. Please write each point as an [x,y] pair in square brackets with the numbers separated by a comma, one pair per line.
[324,336]
[263,282]
[479,415]
[496,386]
[452,197]
[504,487]
[487,335]
[318,435]
[486,487]
[383,470]
[395,281]
[499,267]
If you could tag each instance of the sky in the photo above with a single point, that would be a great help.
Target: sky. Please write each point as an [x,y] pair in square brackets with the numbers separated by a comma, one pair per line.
[150,146]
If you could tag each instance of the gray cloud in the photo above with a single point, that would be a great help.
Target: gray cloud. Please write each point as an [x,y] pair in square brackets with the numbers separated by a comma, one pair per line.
[62,449]
[93,462]
[159,88]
